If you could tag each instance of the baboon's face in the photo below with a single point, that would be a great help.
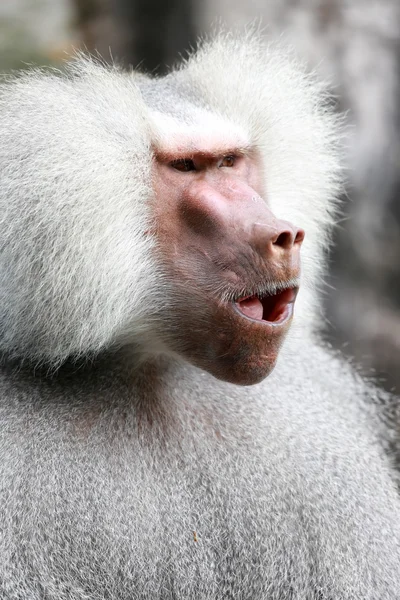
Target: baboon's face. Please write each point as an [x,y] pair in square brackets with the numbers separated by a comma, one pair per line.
[234,266]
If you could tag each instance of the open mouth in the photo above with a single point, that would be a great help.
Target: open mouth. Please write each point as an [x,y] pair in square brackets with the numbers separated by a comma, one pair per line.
[275,308]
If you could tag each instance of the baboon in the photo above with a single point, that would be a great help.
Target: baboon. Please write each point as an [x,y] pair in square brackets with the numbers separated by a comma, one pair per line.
[152,443]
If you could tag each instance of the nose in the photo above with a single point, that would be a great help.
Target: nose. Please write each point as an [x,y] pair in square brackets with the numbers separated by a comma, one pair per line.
[288,236]
[239,216]
[276,237]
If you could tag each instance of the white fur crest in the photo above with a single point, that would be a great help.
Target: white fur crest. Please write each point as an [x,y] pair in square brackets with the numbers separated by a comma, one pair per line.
[76,268]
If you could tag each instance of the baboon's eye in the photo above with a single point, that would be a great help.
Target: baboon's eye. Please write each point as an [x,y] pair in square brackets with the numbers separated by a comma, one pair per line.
[183,164]
[228,161]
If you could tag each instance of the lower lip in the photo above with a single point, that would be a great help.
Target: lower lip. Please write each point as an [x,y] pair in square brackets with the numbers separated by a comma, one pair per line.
[284,318]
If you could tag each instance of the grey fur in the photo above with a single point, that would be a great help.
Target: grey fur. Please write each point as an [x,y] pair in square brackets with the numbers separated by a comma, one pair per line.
[136,475]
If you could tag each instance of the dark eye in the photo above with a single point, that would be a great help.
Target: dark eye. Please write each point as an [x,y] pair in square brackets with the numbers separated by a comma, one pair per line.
[183,164]
[228,161]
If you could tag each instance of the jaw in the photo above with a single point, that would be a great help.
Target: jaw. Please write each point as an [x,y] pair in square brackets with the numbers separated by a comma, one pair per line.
[247,354]
[231,346]
[235,335]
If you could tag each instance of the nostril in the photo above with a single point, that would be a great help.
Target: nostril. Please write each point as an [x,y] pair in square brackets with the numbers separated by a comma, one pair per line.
[288,238]
[284,239]
[299,236]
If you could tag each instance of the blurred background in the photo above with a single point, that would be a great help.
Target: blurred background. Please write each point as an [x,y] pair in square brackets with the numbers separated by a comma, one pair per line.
[354,44]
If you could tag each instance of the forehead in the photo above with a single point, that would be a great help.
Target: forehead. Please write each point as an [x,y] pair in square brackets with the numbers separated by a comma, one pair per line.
[180,123]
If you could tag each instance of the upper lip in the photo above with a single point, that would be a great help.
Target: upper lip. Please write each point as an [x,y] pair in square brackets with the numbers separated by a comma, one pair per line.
[266,289]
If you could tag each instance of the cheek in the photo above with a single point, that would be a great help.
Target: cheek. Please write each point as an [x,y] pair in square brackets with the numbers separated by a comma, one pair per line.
[165,225]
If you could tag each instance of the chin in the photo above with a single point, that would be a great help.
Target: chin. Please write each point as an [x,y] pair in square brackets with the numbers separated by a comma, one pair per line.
[239,342]
[245,374]
[249,355]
